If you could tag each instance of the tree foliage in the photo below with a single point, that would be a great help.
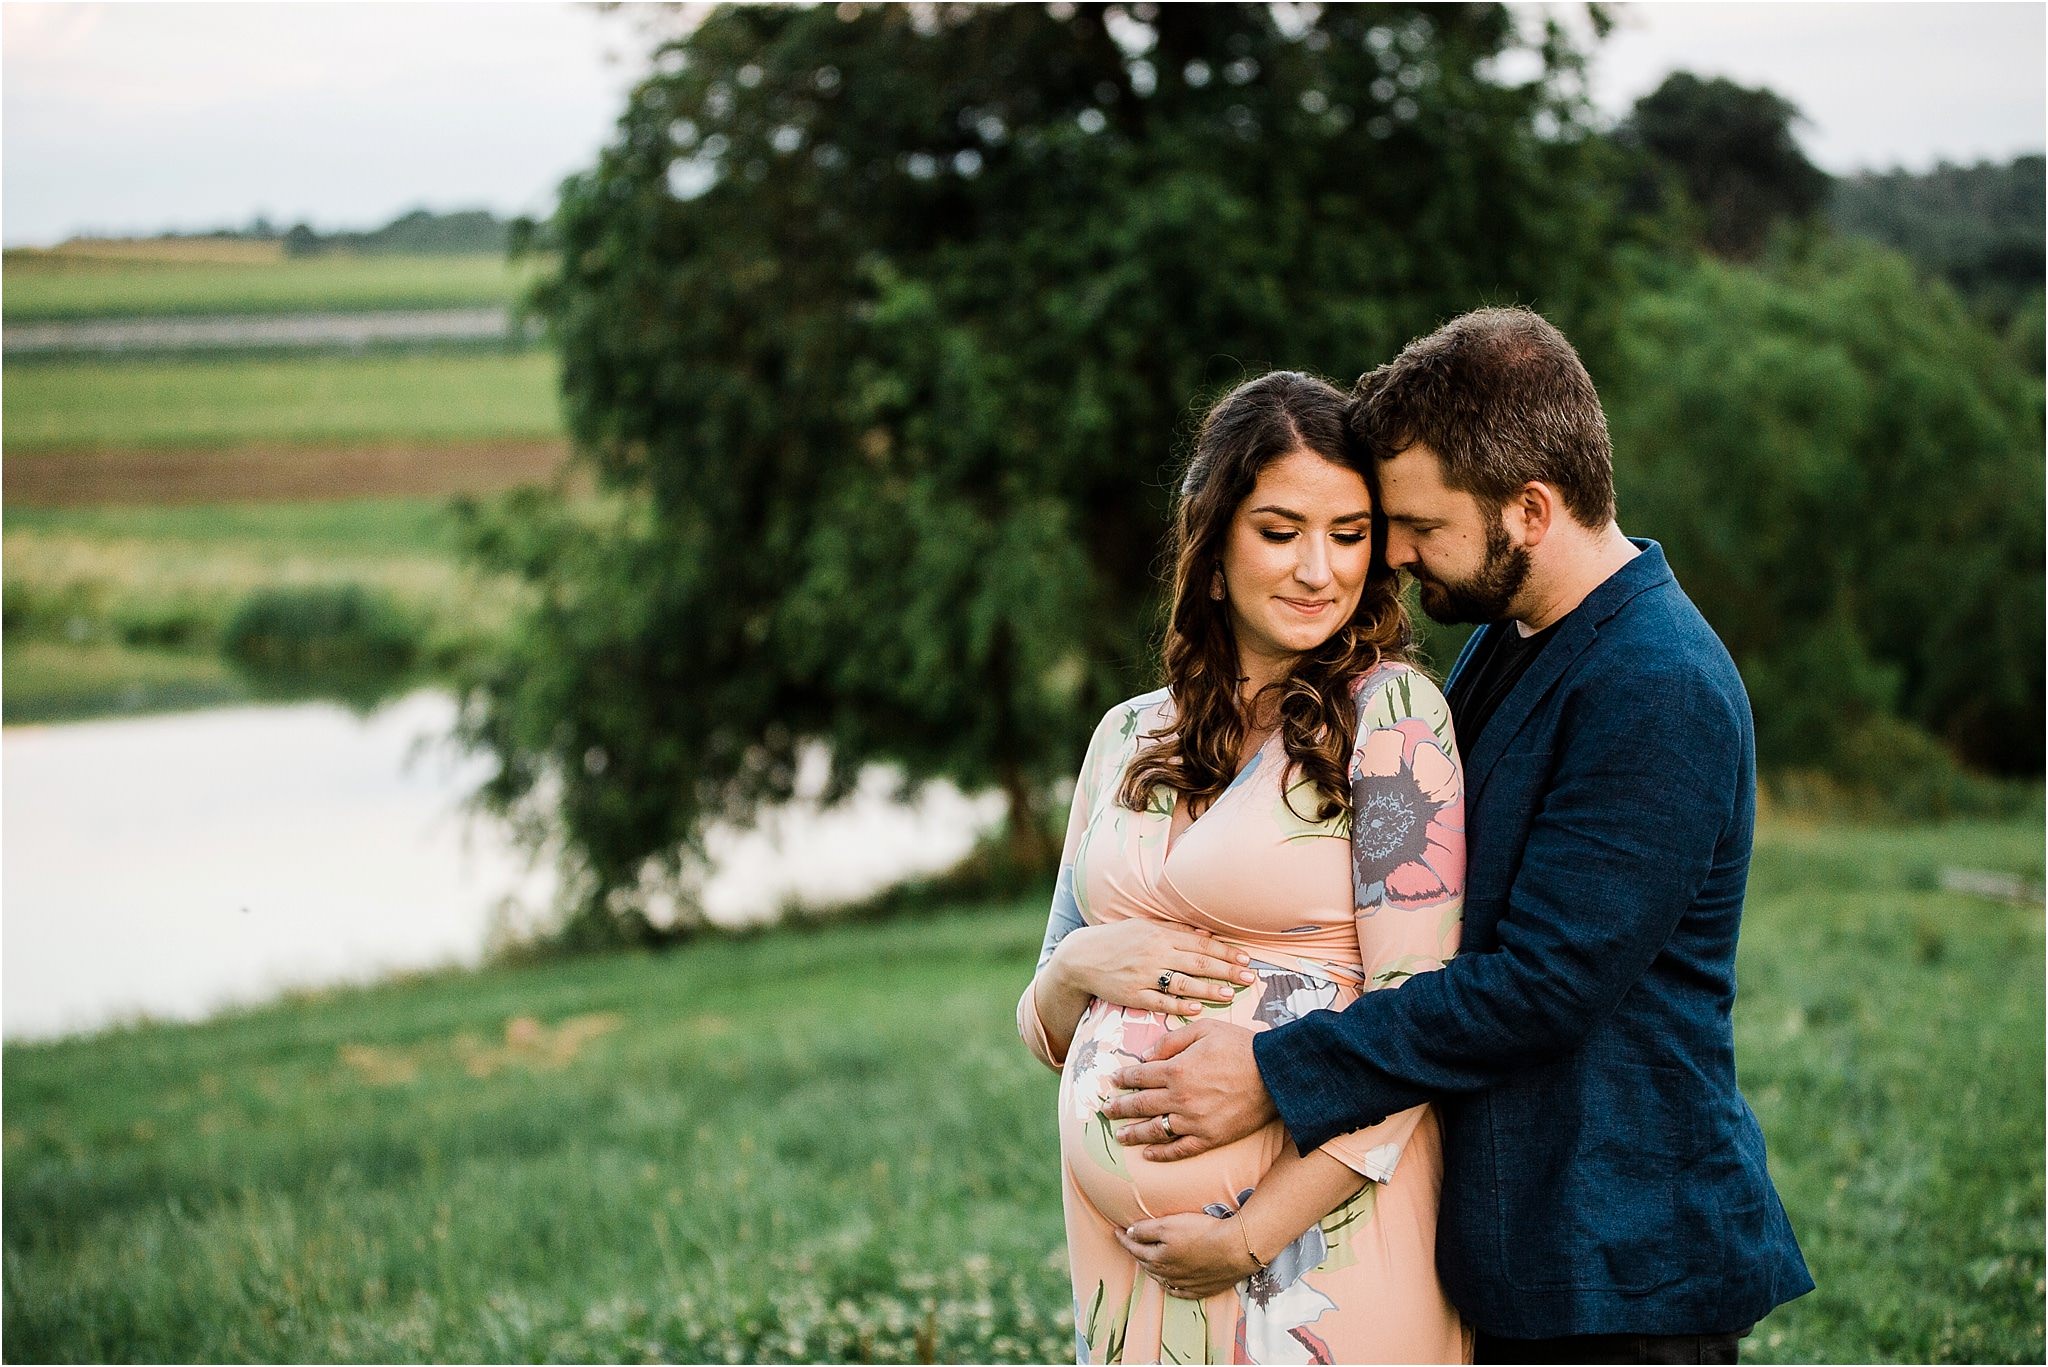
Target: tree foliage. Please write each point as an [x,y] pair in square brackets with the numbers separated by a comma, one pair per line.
[1977,227]
[879,325]
[1730,149]
[1846,467]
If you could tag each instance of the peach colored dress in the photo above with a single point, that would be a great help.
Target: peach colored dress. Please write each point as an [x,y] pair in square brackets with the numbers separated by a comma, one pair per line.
[1327,910]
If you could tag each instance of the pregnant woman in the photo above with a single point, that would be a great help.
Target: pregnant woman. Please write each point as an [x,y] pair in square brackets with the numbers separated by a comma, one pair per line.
[1277,830]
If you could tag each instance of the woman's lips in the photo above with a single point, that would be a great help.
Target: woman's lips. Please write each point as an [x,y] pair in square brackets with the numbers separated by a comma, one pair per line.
[1307,607]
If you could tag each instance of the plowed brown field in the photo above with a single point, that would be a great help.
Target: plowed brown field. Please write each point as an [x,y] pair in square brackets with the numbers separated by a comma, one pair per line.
[267,473]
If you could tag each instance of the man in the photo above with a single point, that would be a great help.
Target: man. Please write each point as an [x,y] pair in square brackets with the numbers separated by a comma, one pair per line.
[1605,1196]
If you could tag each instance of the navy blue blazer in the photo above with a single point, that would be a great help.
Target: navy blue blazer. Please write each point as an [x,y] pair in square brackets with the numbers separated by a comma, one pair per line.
[1602,1174]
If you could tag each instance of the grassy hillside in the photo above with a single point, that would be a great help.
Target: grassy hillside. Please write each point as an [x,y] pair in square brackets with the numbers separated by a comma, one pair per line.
[134,280]
[829,1146]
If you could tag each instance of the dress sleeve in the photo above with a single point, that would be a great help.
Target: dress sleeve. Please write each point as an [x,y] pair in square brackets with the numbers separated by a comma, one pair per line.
[1407,862]
[1066,907]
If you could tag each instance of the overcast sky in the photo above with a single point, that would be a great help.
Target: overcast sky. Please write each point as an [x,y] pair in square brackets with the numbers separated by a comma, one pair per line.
[138,117]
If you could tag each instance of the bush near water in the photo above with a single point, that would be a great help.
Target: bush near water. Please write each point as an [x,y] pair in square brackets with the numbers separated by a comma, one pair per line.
[337,629]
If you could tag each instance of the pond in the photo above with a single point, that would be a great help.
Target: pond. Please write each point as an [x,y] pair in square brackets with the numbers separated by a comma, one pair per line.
[170,866]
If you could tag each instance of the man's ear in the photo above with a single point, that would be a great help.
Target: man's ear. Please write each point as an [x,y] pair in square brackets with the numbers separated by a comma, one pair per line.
[1532,511]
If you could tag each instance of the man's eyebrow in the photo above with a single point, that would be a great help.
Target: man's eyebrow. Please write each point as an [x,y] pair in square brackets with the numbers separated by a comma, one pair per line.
[1279,511]
[1410,519]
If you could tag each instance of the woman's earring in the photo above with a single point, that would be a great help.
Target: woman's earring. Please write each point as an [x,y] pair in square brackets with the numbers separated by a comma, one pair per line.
[1216,586]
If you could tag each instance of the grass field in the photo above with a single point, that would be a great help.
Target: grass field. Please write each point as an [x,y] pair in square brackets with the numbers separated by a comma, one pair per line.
[425,398]
[134,565]
[276,531]
[828,1146]
[134,280]
[308,470]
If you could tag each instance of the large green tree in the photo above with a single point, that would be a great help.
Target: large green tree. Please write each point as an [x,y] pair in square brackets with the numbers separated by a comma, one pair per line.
[879,325]
[1845,466]
[1731,152]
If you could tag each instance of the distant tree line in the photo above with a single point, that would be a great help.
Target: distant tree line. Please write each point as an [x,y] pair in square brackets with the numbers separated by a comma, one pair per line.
[1978,227]
[882,328]
[419,232]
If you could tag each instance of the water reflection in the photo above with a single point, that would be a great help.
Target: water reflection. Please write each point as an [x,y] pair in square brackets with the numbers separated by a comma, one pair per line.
[169,866]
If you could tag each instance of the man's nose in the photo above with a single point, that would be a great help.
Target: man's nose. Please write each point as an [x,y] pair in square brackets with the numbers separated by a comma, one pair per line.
[1400,549]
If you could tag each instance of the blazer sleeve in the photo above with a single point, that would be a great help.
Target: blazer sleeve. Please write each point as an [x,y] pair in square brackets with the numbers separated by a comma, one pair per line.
[1065,917]
[1407,862]
[1642,789]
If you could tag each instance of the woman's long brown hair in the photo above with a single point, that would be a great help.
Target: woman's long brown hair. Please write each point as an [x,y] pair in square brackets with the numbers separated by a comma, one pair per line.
[1196,753]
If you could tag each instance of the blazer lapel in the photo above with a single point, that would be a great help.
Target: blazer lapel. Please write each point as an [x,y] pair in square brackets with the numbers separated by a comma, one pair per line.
[1465,655]
[1516,707]
[1576,632]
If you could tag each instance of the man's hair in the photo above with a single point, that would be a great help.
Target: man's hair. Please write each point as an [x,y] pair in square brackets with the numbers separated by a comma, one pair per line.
[1502,399]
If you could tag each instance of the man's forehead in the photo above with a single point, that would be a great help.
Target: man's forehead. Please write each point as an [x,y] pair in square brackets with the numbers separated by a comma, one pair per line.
[1412,484]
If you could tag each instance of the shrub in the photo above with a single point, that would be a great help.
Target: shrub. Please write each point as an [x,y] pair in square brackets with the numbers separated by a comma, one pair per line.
[321,628]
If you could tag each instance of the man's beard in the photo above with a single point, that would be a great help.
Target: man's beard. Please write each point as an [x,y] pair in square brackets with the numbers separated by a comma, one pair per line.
[1487,595]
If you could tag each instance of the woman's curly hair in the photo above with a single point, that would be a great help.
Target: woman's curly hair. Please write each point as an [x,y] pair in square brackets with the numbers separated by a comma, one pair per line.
[1196,752]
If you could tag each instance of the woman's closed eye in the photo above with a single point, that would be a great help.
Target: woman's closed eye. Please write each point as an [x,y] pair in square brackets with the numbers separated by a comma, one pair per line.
[1280,536]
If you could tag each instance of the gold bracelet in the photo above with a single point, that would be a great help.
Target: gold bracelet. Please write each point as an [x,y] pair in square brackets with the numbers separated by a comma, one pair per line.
[1257,1261]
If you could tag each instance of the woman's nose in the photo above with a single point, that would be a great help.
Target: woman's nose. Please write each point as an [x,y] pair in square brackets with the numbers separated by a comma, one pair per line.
[1312,568]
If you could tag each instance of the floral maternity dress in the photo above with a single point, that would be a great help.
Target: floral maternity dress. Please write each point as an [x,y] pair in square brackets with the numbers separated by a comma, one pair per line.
[1326,910]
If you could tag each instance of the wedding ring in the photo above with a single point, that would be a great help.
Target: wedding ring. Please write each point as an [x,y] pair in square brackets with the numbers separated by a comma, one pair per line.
[1166,1123]
[1165,981]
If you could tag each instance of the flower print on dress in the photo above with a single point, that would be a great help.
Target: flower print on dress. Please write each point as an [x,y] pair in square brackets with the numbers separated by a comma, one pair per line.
[1277,1330]
[1276,1306]
[1288,996]
[1407,819]
[1127,1035]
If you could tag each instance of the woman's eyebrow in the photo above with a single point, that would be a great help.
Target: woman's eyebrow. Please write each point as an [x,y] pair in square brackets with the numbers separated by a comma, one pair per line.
[1278,511]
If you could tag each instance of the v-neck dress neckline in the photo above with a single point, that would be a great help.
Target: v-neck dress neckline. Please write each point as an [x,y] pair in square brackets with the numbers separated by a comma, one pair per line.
[1170,844]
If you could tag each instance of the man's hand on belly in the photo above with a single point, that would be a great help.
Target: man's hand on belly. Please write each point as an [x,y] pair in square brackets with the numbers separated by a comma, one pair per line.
[1198,1090]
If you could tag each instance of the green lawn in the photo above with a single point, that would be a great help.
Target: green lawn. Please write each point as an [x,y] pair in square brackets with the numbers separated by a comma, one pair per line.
[306,400]
[41,286]
[829,1146]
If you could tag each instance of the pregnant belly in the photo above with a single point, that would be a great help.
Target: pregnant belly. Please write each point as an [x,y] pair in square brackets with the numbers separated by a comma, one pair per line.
[1121,1183]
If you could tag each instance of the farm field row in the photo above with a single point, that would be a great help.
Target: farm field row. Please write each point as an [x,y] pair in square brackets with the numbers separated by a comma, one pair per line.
[120,281]
[828,1145]
[188,404]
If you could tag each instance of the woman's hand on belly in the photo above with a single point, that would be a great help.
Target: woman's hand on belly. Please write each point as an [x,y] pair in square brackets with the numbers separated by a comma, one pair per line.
[1121,962]
[1192,1256]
